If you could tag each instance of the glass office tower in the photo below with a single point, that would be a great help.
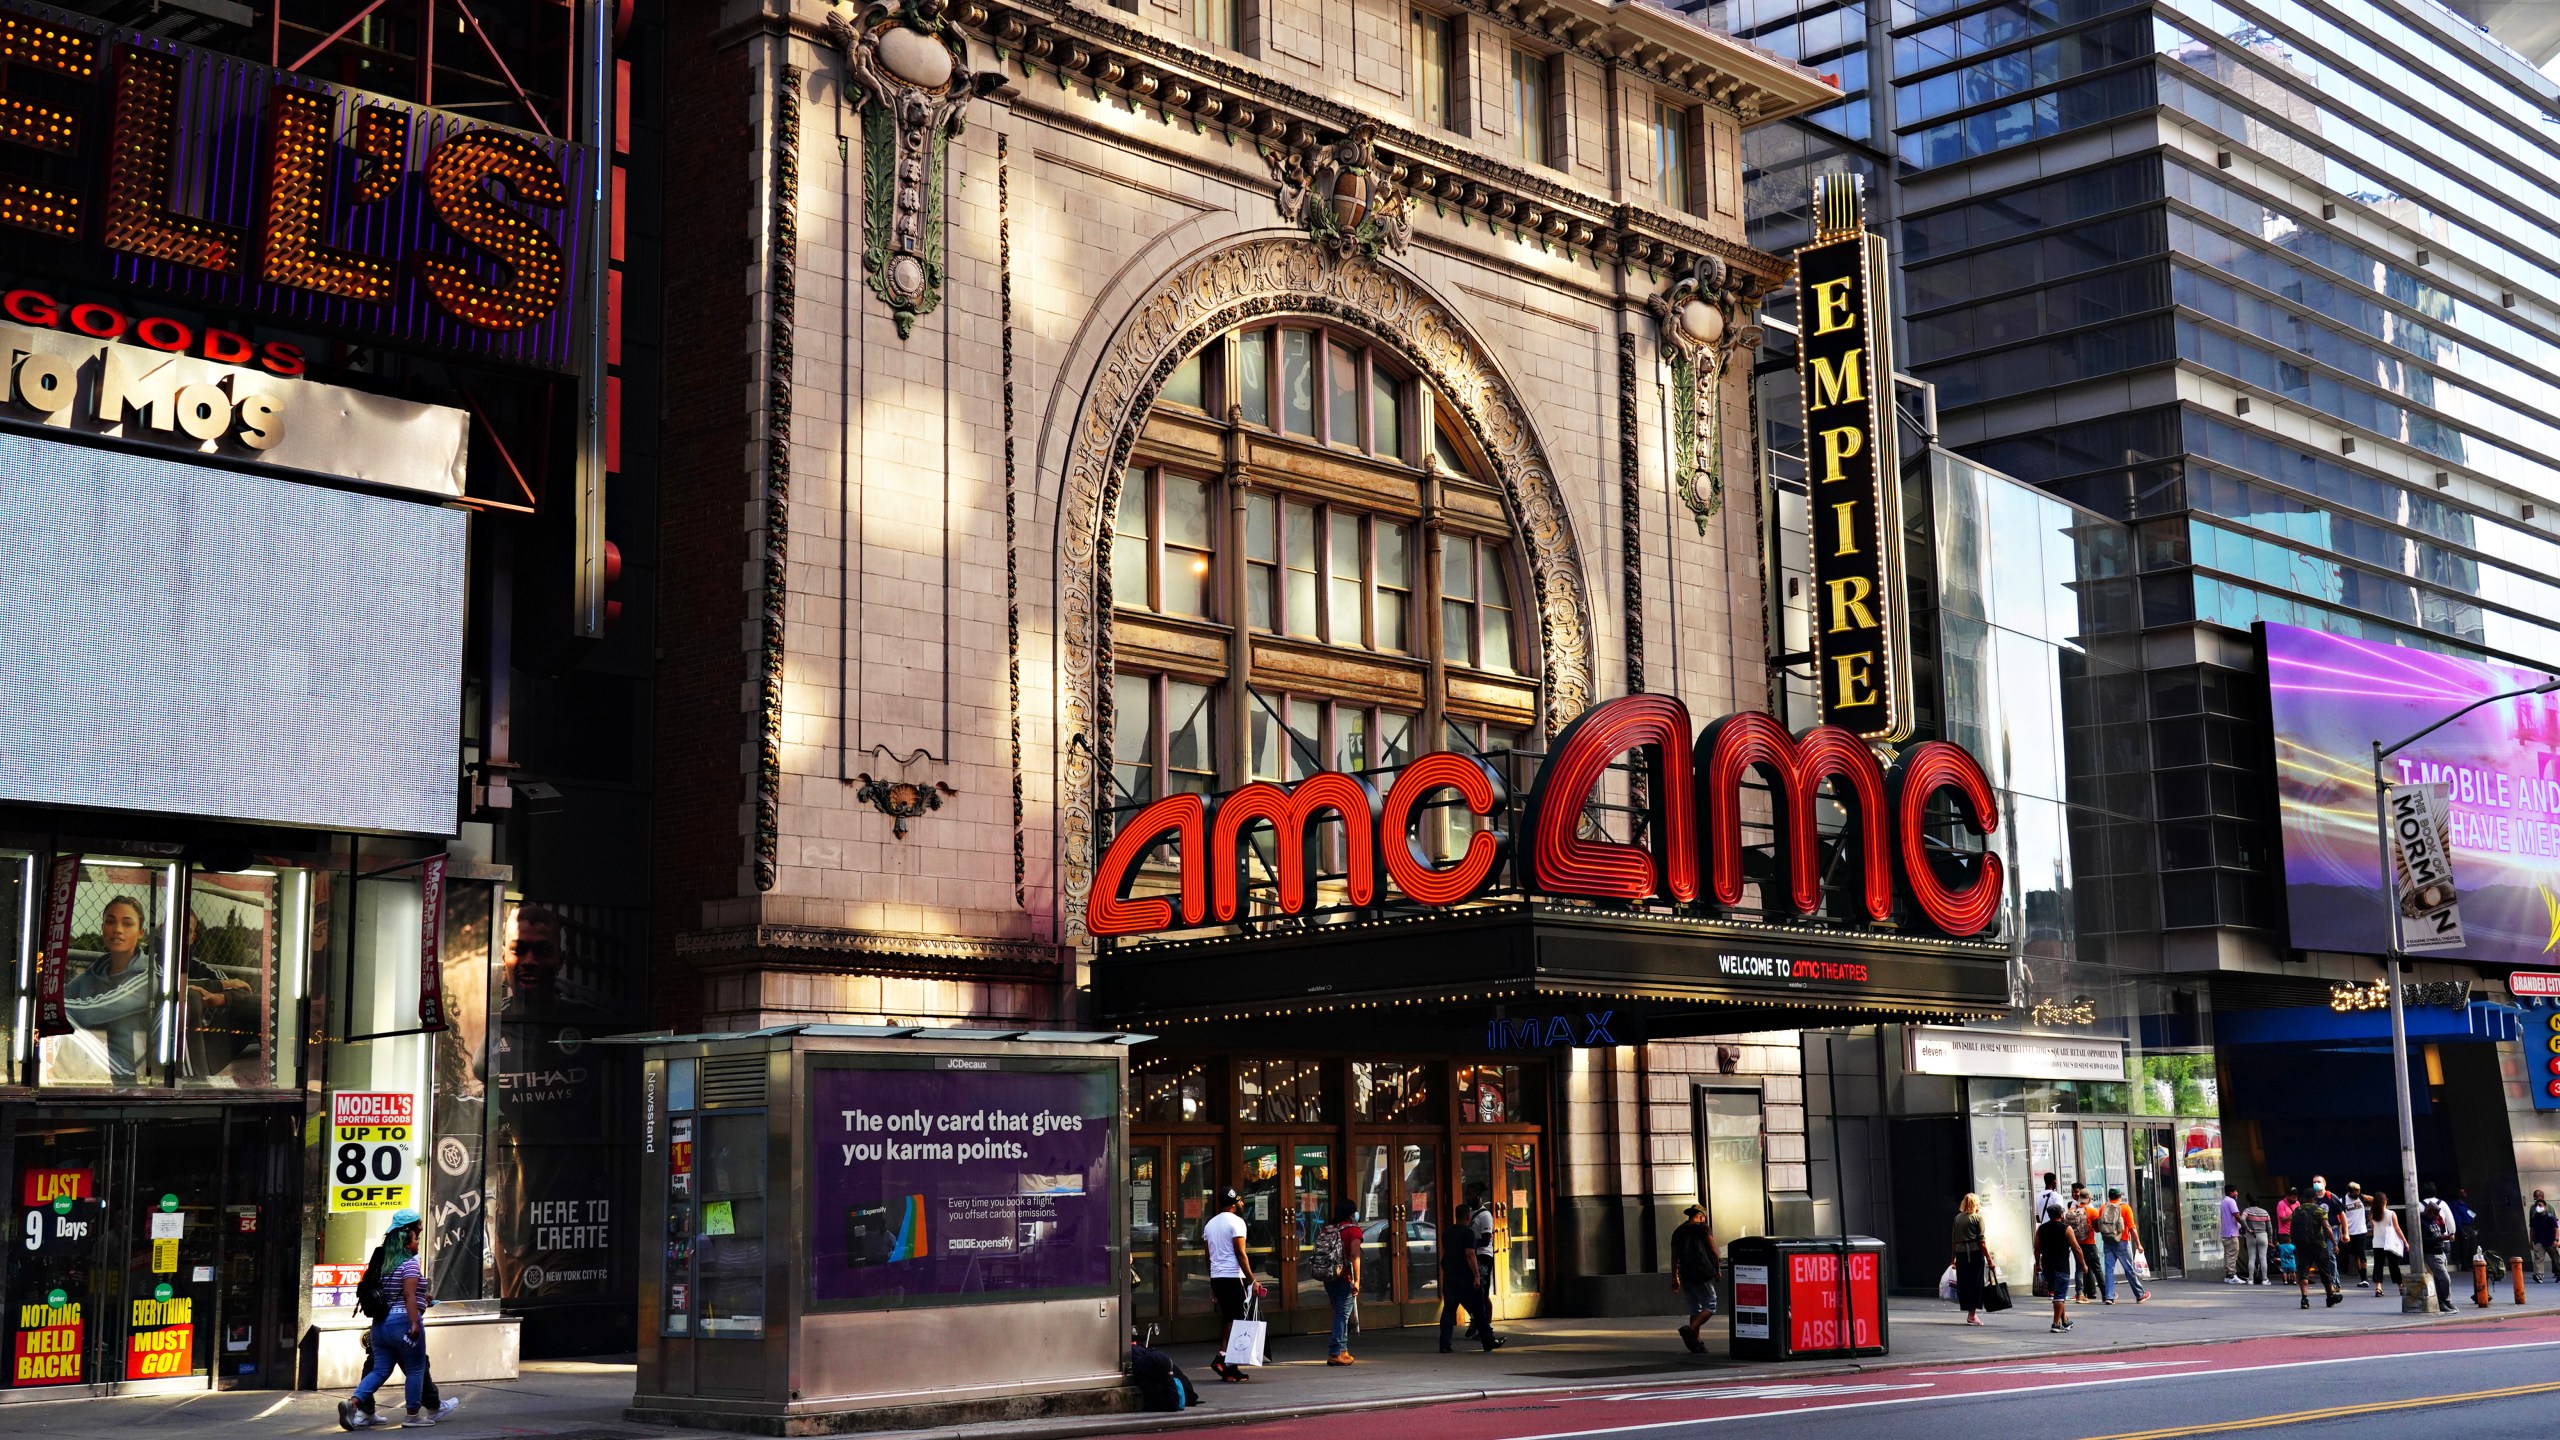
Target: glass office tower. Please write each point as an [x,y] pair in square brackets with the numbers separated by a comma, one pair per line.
[2274,280]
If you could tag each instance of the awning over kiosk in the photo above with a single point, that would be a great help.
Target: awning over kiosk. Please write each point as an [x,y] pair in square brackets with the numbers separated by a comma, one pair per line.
[1677,974]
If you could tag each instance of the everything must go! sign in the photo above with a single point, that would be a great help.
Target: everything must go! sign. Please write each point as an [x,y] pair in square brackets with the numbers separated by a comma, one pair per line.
[960,1179]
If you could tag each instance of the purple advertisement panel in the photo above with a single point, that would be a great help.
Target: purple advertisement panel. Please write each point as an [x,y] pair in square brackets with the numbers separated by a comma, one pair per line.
[2330,698]
[948,1182]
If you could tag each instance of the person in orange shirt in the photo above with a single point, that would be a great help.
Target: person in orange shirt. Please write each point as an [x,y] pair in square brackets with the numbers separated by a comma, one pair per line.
[2123,1242]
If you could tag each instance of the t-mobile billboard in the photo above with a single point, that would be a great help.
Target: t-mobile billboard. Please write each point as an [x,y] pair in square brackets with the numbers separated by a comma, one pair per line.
[2330,698]
[930,1186]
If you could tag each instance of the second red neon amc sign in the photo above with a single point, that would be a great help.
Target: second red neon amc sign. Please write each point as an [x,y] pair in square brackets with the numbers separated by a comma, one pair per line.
[1694,793]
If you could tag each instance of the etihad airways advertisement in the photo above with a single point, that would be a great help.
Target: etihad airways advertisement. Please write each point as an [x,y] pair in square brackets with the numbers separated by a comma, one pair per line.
[2330,698]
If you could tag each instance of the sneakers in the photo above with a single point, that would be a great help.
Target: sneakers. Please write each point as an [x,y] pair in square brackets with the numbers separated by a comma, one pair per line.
[418,1420]
[351,1418]
[447,1408]
[1493,1342]
[1341,1359]
[2335,1297]
[1689,1337]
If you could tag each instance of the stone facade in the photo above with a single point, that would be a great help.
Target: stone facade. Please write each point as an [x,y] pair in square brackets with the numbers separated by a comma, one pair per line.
[946,257]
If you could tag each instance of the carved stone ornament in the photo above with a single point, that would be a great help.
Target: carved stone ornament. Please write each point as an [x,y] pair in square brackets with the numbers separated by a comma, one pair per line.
[901,800]
[908,67]
[1205,297]
[1704,319]
[1341,194]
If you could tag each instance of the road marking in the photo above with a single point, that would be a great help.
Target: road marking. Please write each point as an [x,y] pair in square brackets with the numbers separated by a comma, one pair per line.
[2134,1379]
[2334,1412]
[1808,1390]
[2063,1367]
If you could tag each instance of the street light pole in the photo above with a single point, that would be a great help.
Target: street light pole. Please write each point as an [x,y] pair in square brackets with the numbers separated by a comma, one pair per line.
[2413,1288]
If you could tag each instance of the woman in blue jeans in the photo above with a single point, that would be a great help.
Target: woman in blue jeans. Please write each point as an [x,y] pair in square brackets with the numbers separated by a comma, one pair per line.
[401,1337]
[1344,1287]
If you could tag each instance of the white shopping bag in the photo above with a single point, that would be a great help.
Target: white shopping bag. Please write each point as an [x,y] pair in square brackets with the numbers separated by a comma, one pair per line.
[1245,1339]
[1947,1285]
[2141,1265]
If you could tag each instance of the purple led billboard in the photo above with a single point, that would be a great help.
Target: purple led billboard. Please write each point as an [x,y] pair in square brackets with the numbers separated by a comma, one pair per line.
[941,1184]
[2330,698]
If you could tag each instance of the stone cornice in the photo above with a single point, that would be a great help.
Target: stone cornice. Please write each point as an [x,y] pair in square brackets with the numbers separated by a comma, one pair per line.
[1080,47]
[822,948]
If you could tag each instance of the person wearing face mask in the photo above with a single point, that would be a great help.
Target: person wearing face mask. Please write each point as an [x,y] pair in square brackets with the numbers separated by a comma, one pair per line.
[2542,1226]
[2315,1248]
[110,999]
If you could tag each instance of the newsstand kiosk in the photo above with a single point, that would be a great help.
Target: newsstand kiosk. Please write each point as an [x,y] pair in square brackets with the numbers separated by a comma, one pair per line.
[870,1227]
[1800,1298]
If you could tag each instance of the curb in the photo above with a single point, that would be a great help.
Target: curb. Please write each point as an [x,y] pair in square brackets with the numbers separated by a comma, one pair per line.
[1148,1423]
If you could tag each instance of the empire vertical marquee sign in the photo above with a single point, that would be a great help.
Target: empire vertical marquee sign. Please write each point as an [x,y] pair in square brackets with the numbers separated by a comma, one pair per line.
[1853,474]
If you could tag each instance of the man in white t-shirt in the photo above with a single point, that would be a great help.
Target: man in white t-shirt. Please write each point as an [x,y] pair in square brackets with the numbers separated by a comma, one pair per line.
[2357,1225]
[1222,1235]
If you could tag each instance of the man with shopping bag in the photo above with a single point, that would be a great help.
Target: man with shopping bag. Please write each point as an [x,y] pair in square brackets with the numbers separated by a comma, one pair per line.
[1230,1277]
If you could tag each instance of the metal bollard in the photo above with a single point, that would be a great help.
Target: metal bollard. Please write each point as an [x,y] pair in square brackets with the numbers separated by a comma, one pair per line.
[2515,1272]
[2480,1279]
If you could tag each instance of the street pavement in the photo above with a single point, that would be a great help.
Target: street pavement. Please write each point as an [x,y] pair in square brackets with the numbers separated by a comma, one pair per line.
[1567,1376]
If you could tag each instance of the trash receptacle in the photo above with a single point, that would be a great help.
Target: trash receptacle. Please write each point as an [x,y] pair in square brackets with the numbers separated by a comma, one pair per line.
[1803,1297]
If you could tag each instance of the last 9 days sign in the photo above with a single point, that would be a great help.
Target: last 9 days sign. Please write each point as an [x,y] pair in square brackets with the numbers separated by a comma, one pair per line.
[1844,358]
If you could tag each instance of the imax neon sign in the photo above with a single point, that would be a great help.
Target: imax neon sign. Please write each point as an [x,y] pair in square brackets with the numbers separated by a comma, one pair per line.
[1694,800]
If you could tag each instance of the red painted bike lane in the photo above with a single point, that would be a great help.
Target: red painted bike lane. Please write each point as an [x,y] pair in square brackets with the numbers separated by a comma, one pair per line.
[1531,1417]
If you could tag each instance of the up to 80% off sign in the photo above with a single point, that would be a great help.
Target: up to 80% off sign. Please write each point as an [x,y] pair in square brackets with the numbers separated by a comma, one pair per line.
[373,1133]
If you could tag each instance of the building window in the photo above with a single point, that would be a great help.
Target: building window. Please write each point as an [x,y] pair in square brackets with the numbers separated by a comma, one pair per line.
[1161,545]
[1294,736]
[1429,82]
[1336,411]
[1671,154]
[1529,107]
[1183,386]
[1475,604]
[1220,22]
[1164,737]
[1352,587]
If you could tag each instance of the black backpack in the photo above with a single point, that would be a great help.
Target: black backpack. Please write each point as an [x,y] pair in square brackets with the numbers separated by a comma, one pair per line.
[1161,1383]
[371,1302]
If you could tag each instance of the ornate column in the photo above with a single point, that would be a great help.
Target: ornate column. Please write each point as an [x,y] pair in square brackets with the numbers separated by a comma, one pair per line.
[908,66]
[1704,318]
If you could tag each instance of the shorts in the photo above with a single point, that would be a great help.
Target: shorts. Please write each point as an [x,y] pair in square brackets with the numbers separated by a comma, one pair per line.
[1701,1298]
[2057,1283]
[1229,1293]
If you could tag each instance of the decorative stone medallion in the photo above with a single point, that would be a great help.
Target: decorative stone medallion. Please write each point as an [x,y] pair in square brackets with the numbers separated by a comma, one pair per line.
[1341,195]
[908,66]
[1704,319]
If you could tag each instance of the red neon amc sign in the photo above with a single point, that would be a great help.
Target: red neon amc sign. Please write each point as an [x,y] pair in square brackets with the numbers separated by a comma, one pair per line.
[1696,815]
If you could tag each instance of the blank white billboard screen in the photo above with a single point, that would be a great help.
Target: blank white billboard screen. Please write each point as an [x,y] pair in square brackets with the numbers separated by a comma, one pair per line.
[204,642]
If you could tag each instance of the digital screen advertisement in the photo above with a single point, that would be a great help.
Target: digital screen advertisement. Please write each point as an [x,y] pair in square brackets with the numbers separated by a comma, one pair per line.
[929,1185]
[2330,699]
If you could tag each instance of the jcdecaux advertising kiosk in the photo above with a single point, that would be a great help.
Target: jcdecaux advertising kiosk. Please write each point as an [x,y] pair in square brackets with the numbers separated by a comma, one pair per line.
[926,1226]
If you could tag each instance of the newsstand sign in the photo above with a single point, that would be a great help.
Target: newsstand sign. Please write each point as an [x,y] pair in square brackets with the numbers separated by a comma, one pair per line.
[1694,800]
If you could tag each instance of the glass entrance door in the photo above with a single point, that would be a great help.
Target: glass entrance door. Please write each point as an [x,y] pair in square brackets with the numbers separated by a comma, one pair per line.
[1503,1175]
[145,1253]
[1287,1187]
[1173,1187]
[1396,1183]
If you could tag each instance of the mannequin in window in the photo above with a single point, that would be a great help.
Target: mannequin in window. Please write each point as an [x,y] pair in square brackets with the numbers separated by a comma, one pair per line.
[110,999]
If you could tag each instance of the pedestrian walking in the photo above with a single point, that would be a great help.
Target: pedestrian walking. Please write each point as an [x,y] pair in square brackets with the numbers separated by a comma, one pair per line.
[1461,1284]
[2437,1227]
[1230,1275]
[2048,1197]
[2257,1230]
[2466,1228]
[2082,1214]
[1335,1260]
[1482,1224]
[2123,1245]
[2390,1243]
[402,1292]
[2231,1236]
[2057,1250]
[2355,1235]
[1694,1265]
[2315,1242]
[1972,1257]
[2542,1227]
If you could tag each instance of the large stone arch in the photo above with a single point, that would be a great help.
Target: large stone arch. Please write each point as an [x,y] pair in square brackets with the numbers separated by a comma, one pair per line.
[1205,296]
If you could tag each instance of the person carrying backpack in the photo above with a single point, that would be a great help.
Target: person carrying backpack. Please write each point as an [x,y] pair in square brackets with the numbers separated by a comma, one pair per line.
[394,1294]
[1694,1267]
[1335,1259]
[2436,1229]
[2121,1241]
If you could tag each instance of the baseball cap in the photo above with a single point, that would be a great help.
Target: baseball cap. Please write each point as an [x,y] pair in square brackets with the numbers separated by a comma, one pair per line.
[403,1219]
[1693,1210]
[1228,1196]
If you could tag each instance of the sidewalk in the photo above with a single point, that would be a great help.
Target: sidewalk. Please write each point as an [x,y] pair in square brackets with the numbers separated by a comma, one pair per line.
[585,1400]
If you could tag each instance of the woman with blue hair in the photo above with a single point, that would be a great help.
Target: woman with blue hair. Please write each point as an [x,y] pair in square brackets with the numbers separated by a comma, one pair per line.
[399,1336]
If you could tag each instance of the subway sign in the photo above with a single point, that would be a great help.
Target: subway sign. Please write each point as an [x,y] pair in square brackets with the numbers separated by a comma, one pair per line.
[1853,474]
[1694,797]
[243,187]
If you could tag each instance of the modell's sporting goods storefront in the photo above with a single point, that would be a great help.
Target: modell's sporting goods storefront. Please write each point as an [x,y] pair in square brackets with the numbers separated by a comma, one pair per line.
[1396,987]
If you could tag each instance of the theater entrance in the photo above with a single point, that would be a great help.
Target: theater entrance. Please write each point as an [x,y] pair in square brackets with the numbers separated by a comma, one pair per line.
[150,1250]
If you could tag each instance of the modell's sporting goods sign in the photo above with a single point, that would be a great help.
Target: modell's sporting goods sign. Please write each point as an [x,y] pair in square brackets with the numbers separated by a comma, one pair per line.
[1694,803]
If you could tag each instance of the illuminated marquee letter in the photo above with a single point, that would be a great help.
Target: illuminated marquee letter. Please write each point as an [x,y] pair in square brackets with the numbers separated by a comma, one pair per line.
[1292,815]
[1838,380]
[1480,790]
[1924,770]
[1561,861]
[142,143]
[301,151]
[1109,910]
[536,274]
[41,127]
[1797,770]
